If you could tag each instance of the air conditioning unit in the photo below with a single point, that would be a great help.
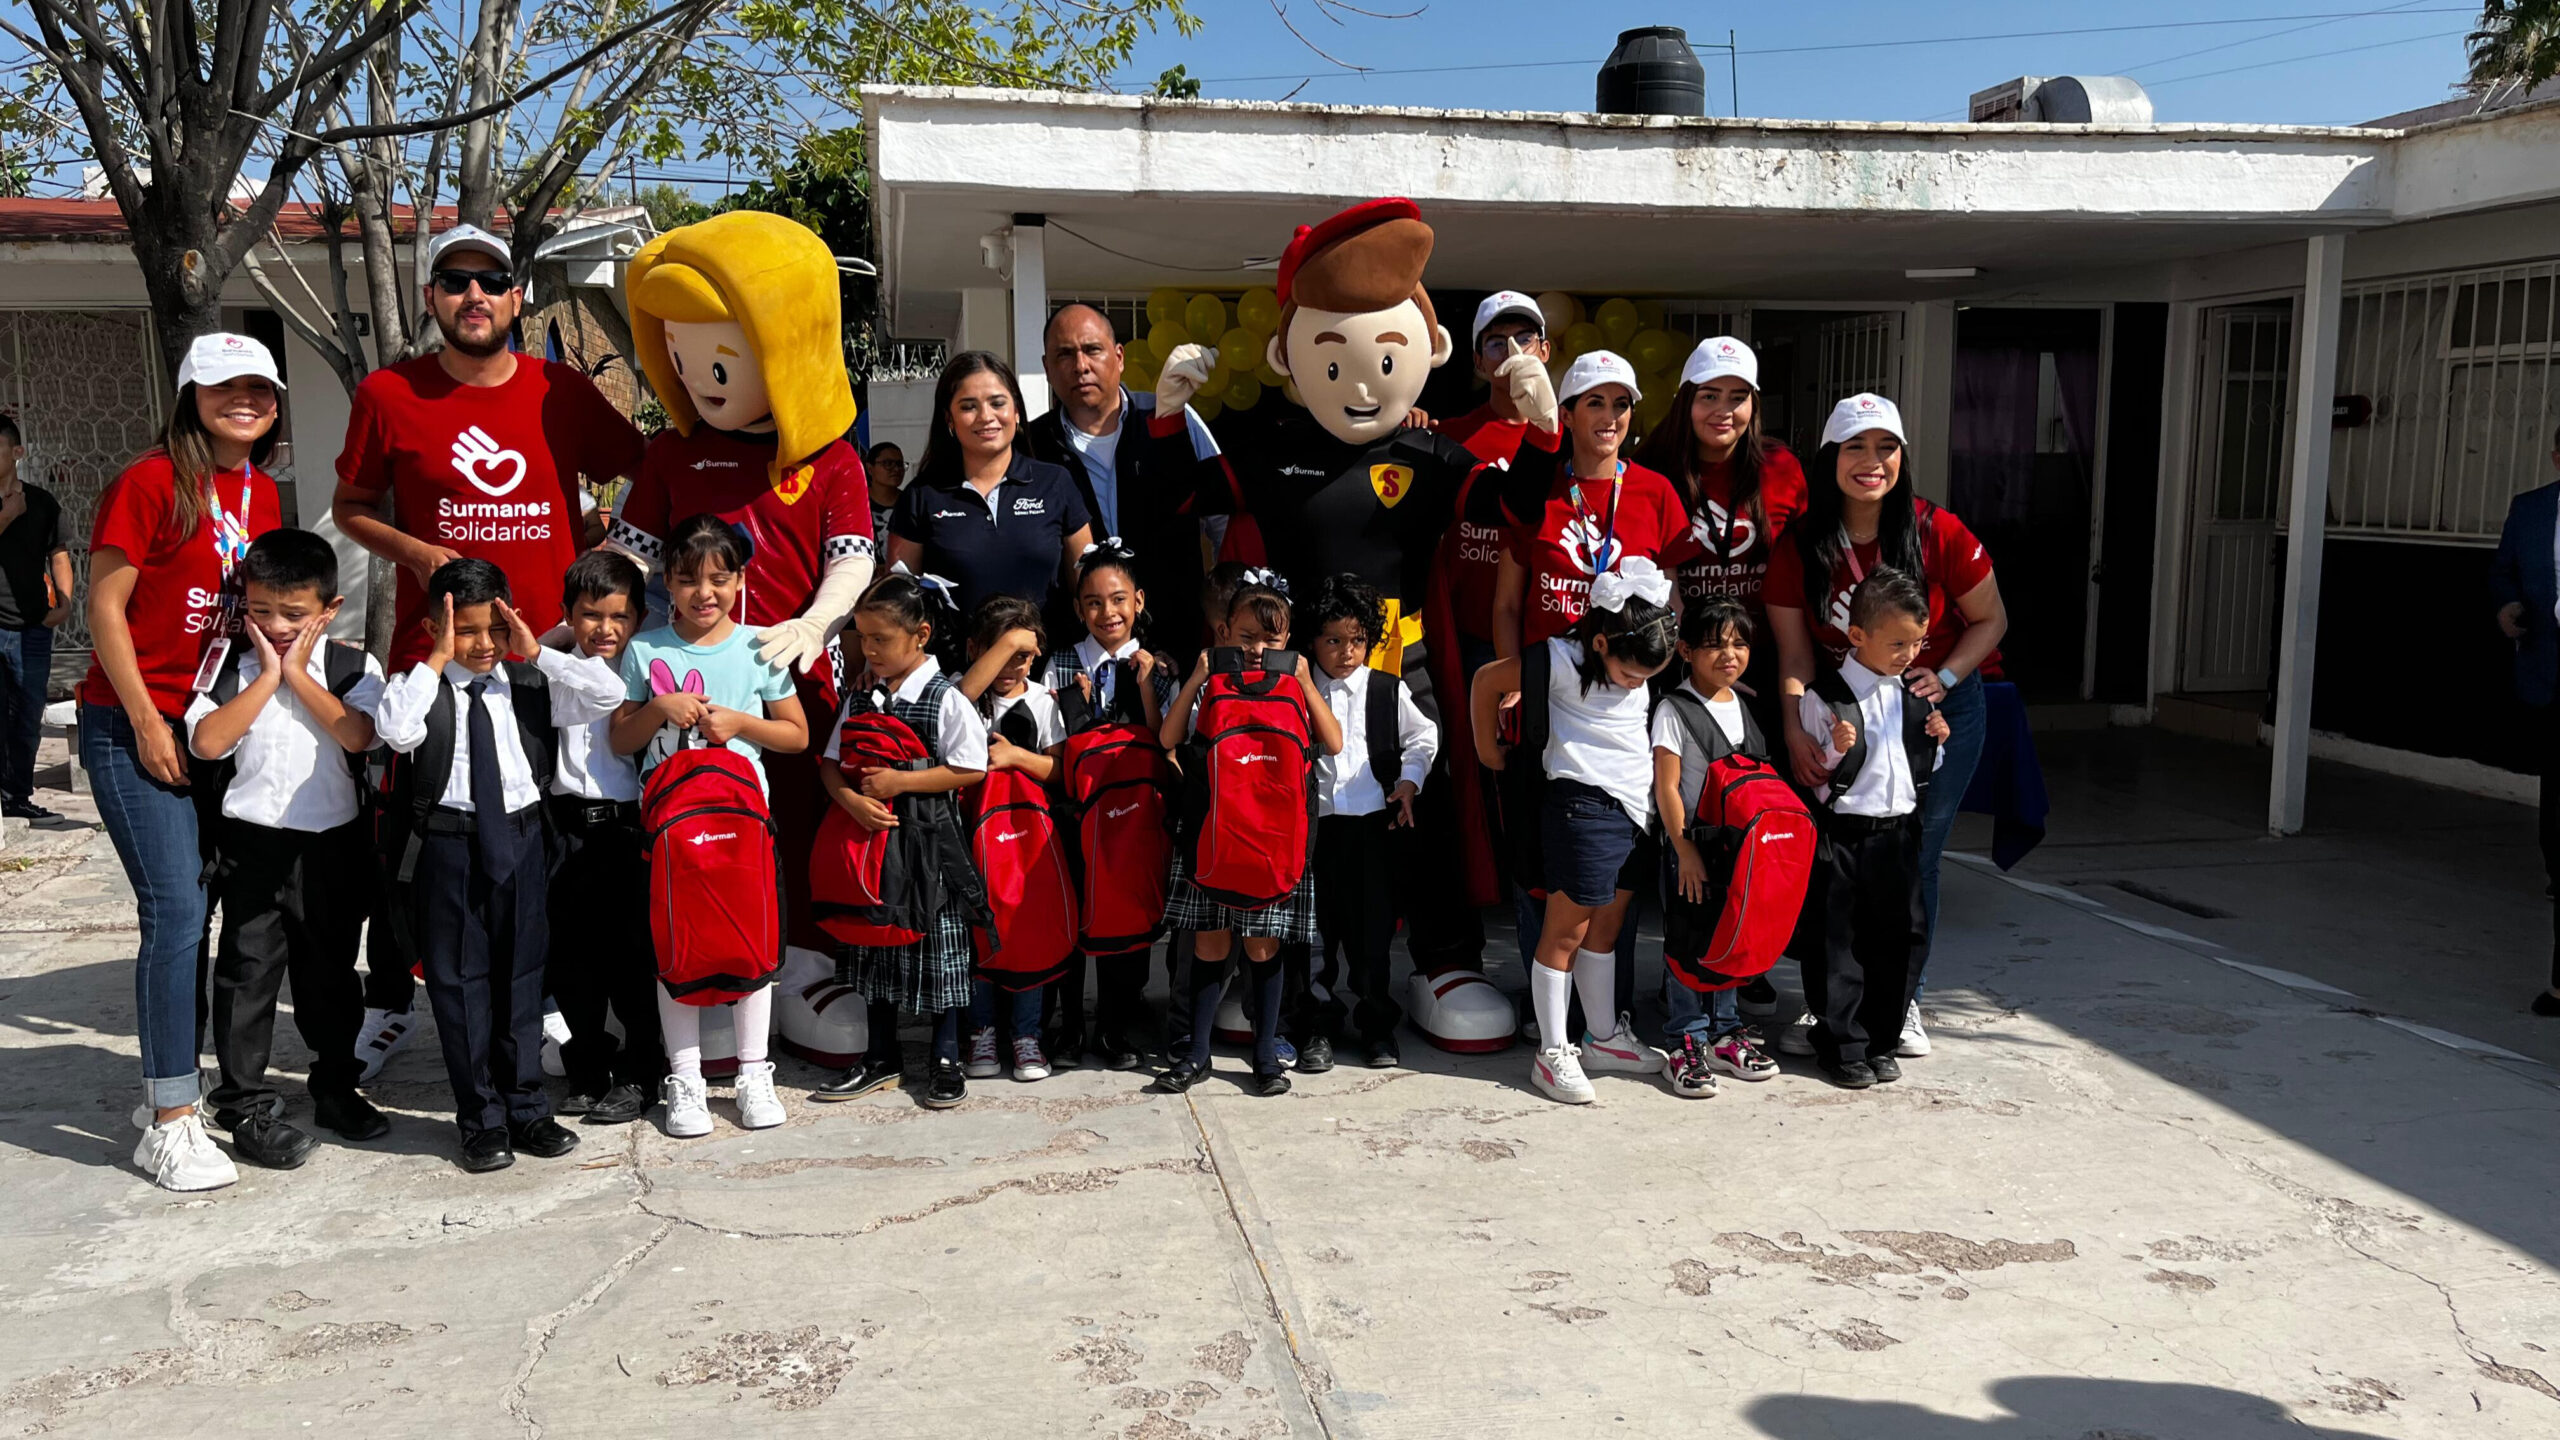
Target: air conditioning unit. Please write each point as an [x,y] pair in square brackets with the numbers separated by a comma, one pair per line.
[2062,100]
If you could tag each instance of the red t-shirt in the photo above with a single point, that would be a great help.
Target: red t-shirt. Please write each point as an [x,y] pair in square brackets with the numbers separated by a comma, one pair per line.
[1733,555]
[1471,558]
[177,590]
[490,472]
[1639,515]
[1954,560]
[822,509]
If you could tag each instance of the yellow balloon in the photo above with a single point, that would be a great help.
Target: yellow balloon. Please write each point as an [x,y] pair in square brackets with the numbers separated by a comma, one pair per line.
[1141,351]
[1653,407]
[1264,371]
[1243,393]
[1139,380]
[1563,312]
[1649,314]
[1258,310]
[1653,351]
[1206,315]
[1206,405]
[1164,306]
[1239,349]
[1580,339]
[1617,321]
[1167,335]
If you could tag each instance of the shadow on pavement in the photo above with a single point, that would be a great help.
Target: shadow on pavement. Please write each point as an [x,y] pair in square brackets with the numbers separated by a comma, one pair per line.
[2052,1407]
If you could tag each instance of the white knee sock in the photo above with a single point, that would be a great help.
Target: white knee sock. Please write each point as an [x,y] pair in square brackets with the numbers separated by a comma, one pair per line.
[1595,976]
[681,1025]
[753,1017]
[1551,995]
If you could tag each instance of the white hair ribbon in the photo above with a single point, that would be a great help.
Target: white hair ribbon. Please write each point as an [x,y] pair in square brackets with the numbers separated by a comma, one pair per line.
[1634,576]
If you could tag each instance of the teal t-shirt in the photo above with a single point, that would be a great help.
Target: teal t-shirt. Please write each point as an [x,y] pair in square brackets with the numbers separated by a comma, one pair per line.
[728,674]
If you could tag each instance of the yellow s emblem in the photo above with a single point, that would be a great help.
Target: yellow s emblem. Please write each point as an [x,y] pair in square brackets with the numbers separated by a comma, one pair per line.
[794,483]
[1392,482]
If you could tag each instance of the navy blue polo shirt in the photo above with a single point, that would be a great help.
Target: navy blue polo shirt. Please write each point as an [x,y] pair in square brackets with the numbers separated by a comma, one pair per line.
[1008,543]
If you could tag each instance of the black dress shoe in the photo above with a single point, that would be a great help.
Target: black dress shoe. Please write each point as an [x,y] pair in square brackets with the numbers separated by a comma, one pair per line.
[876,1074]
[2546,1004]
[261,1139]
[1118,1051]
[947,1086]
[1316,1056]
[1181,1077]
[618,1106]
[349,1114]
[486,1150]
[1383,1055]
[544,1139]
[1064,1045]
[1886,1067]
[1851,1074]
[577,1102]
[1268,1086]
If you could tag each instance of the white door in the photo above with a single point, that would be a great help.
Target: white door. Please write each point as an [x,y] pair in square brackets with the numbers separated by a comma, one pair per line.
[2242,446]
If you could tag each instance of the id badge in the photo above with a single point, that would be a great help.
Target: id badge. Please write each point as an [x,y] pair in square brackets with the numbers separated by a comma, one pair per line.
[210,667]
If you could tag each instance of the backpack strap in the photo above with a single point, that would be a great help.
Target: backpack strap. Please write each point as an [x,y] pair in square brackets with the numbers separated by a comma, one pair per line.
[1018,727]
[1537,677]
[1918,744]
[1706,737]
[1386,741]
[1833,689]
[529,693]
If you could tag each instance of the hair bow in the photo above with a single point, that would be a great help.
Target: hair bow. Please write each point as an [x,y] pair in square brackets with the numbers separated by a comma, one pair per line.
[1111,545]
[1267,578]
[927,580]
[1635,576]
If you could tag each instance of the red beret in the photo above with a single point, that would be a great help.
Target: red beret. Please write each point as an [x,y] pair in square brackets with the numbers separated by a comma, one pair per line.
[1310,239]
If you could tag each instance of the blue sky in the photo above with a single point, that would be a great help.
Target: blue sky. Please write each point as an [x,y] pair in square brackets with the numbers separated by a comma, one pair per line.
[2276,71]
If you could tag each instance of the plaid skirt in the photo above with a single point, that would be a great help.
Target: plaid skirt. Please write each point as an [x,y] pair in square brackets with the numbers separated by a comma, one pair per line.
[1291,921]
[923,979]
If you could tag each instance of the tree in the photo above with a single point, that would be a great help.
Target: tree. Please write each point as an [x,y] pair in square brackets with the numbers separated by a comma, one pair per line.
[1178,84]
[2517,45]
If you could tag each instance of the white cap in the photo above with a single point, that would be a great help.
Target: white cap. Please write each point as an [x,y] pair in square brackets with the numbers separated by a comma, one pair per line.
[1720,357]
[470,238]
[1593,369]
[216,358]
[1861,413]
[1505,302]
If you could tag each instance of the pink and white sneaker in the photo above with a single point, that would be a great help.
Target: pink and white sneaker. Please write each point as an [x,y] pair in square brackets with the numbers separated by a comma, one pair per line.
[1736,1056]
[1622,1051]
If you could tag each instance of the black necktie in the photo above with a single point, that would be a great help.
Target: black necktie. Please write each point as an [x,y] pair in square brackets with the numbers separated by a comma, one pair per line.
[491,836]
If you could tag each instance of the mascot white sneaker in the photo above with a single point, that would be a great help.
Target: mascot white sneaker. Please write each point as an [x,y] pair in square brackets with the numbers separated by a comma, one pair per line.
[815,1018]
[1459,1010]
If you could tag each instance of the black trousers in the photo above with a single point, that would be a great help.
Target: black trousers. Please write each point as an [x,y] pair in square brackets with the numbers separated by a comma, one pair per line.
[1442,930]
[2549,716]
[292,904]
[483,938]
[601,960]
[1875,936]
[390,981]
[1356,857]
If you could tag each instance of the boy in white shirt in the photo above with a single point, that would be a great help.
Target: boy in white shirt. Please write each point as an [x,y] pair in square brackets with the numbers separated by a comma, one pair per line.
[286,714]
[1884,745]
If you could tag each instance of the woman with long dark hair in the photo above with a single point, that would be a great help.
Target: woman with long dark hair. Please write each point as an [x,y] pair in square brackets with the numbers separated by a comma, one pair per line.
[164,606]
[980,509]
[1866,517]
[1743,490]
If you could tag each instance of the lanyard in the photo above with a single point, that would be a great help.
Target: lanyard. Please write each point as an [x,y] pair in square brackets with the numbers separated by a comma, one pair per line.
[1604,554]
[230,530]
[1849,557]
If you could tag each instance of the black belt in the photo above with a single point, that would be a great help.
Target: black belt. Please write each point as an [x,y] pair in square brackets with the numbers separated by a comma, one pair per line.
[441,821]
[585,814]
[1870,824]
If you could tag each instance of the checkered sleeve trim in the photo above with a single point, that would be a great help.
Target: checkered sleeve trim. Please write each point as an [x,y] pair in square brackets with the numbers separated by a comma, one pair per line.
[839,547]
[638,542]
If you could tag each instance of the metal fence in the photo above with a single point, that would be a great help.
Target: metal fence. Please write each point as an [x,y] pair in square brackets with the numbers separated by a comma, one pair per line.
[2458,370]
[85,386]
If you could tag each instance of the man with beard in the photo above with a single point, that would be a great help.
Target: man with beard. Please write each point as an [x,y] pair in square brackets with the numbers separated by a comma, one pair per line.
[477,448]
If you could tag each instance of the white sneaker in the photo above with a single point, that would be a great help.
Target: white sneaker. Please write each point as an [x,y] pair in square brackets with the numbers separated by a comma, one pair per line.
[555,1033]
[1915,1036]
[758,1107]
[1558,1072]
[178,1155]
[688,1106]
[983,1062]
[1028,1062]
[1797,1038]
[380,1039]
[1622,1051]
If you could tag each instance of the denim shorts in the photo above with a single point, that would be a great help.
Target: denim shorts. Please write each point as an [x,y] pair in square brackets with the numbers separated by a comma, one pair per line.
[1588,845]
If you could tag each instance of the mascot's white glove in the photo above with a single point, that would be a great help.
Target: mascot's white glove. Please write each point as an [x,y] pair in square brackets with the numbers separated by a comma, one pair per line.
[802,641]
[1533,393]
[1184,372]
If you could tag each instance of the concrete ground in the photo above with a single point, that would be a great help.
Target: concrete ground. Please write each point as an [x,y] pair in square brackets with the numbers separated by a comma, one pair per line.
[2139,1191]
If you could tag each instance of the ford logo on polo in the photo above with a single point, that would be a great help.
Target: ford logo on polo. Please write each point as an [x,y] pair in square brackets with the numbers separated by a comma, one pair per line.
[1025,505]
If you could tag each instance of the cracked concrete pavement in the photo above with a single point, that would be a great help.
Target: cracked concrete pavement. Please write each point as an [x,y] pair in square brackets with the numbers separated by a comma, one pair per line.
[2135,1193]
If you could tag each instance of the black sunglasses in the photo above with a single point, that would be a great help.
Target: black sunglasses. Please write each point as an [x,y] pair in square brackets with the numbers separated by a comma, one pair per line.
[492,283]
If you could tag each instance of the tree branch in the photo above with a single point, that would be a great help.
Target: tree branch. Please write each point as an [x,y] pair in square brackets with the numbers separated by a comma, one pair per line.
[522,92]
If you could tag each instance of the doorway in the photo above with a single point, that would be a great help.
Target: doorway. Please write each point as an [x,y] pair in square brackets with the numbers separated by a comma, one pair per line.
[2244,440]
[1811,359]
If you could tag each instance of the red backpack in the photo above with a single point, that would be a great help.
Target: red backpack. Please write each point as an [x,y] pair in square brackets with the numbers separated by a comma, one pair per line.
[715,889]
[1118,786]
[1252,768]
[861,889]
[1031,900]
[1758,840]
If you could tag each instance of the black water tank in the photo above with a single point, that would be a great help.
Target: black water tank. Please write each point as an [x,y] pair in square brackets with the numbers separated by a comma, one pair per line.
[1653,72]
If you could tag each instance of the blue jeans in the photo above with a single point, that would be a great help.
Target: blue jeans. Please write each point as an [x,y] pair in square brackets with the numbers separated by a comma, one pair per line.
[1710,1015]
[1965,710]
[153,827]
[1021,1009]
[26,656]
